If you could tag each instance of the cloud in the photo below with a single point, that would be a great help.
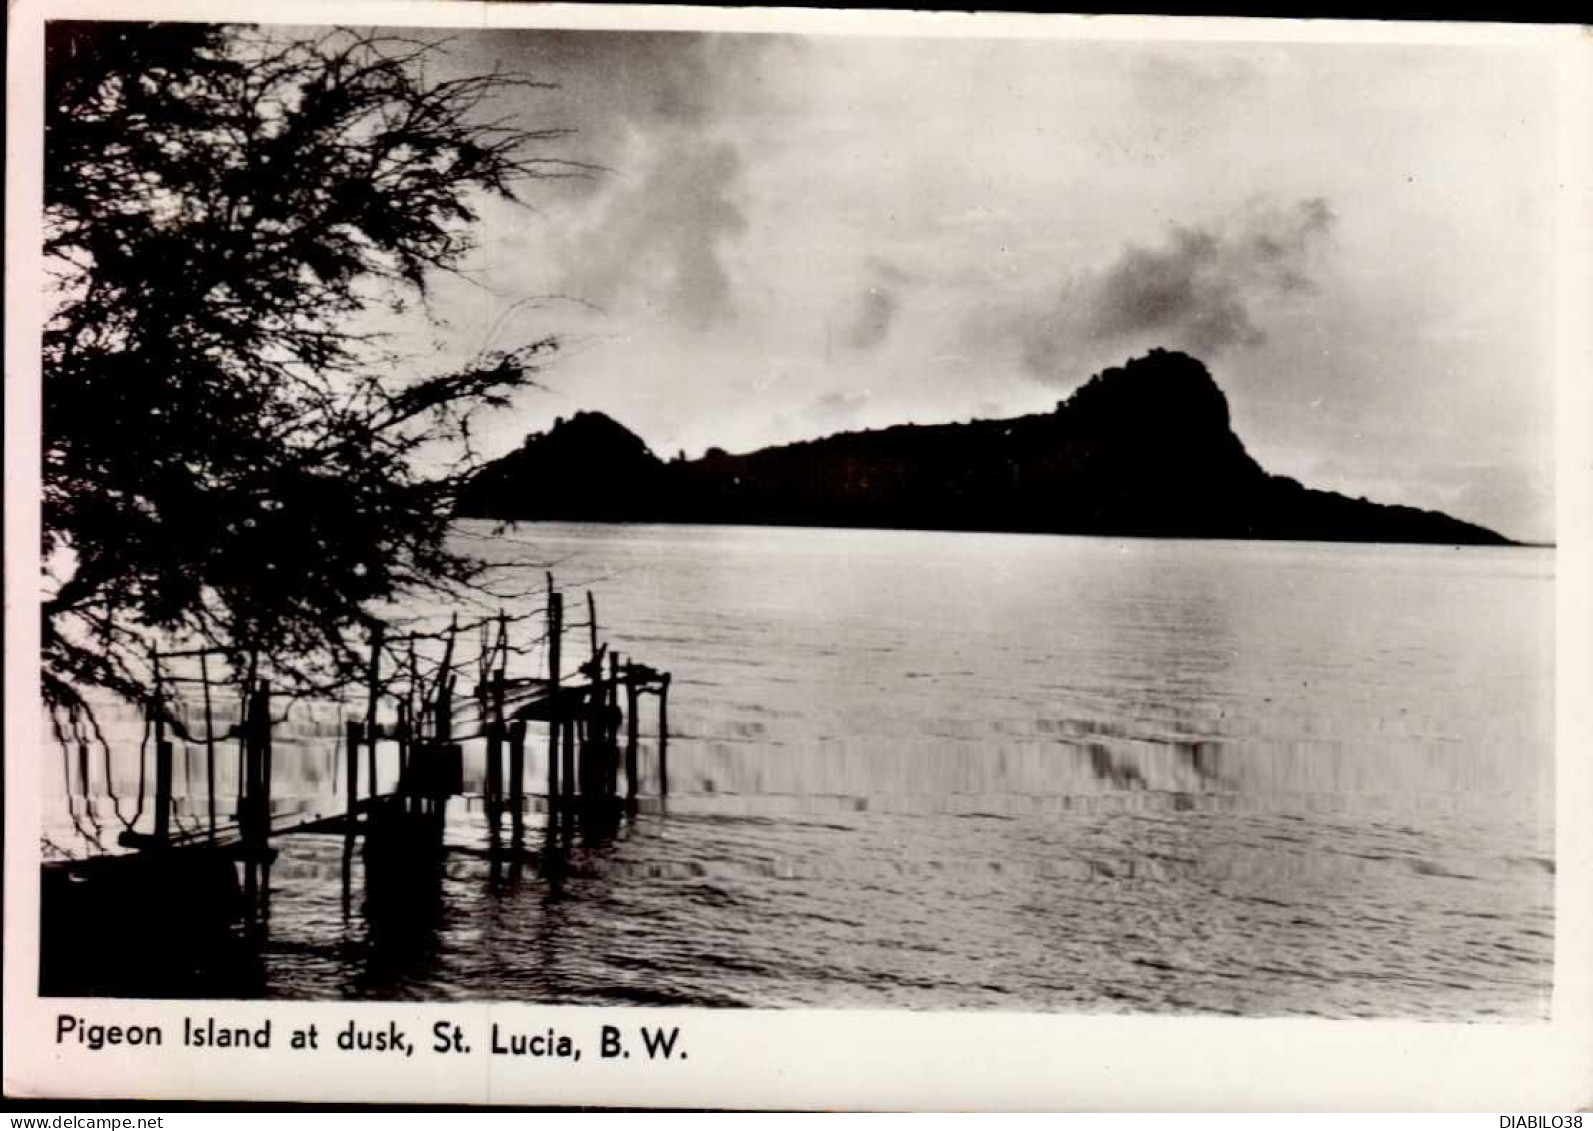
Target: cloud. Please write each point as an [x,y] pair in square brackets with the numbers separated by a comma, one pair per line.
[839,406]
[662,234]
[1203,289]
[876,308]
[1512,496]
[662,113]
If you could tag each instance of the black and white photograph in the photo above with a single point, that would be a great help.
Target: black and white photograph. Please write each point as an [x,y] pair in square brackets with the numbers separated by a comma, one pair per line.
[963,518]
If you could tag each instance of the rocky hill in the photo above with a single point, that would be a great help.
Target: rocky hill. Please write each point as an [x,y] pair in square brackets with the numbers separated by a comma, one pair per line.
[1144,449]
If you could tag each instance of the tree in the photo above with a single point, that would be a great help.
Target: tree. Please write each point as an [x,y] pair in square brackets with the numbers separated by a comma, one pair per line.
[230,454]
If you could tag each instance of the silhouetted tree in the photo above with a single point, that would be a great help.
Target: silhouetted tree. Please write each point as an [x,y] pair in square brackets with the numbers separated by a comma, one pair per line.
[229,452]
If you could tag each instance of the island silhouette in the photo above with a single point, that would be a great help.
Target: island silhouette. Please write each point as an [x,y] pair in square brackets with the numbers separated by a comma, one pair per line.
[1143,449]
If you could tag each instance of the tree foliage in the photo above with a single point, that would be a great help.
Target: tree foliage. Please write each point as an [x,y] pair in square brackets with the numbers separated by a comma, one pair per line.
[228,456]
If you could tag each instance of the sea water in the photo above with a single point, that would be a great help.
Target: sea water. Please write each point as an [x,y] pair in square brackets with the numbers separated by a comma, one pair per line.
[948,770]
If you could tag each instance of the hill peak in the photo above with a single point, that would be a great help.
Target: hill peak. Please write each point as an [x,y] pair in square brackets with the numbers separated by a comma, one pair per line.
[592,427]
[1164,389]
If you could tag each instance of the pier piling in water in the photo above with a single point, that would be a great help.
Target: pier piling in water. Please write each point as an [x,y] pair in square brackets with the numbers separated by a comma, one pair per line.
[163,752]
[493,786]
[555,637]
[210,745]
[353,735]
[517,777]
[373,693]
[163,787]
[254,817]
[633,697]
[611,723]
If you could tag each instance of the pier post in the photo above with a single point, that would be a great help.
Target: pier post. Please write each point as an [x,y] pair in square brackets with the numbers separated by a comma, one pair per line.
[210,746]
[249,802]
[353,734]
[402,730]
[494,783]
[82,769]
[611,717]
[632,726]
[265,761]
[256,809]
[555,635]
[517,777]
[444,718]
[351,780]
[593,772]
[410,733]
[373,685]
[591,738]
[446,754]
[163,798]
[157,707]
[445,710]
[500,727]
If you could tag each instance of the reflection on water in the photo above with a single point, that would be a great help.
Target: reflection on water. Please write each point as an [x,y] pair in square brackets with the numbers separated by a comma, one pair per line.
[930,770]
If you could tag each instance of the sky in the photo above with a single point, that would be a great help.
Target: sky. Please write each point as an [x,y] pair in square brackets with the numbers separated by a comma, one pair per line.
[794,235]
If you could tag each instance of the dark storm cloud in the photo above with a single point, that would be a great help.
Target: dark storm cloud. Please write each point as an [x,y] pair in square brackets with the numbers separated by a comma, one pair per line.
[1200,290]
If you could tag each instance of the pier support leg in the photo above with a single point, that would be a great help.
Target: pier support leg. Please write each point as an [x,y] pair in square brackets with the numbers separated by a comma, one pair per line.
[611,725]
[255,814]
[403,739]
[163,788]
[83,772]
[373,681]
[353,733]
[210,746]
[494,783]
[517,778]
[632,727]
[263,793]
[555,638]
[353,736]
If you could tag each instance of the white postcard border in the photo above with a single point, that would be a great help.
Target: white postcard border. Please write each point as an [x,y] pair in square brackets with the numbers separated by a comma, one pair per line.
[817,1058]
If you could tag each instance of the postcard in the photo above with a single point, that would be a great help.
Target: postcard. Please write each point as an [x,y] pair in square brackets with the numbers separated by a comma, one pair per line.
[589,555]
